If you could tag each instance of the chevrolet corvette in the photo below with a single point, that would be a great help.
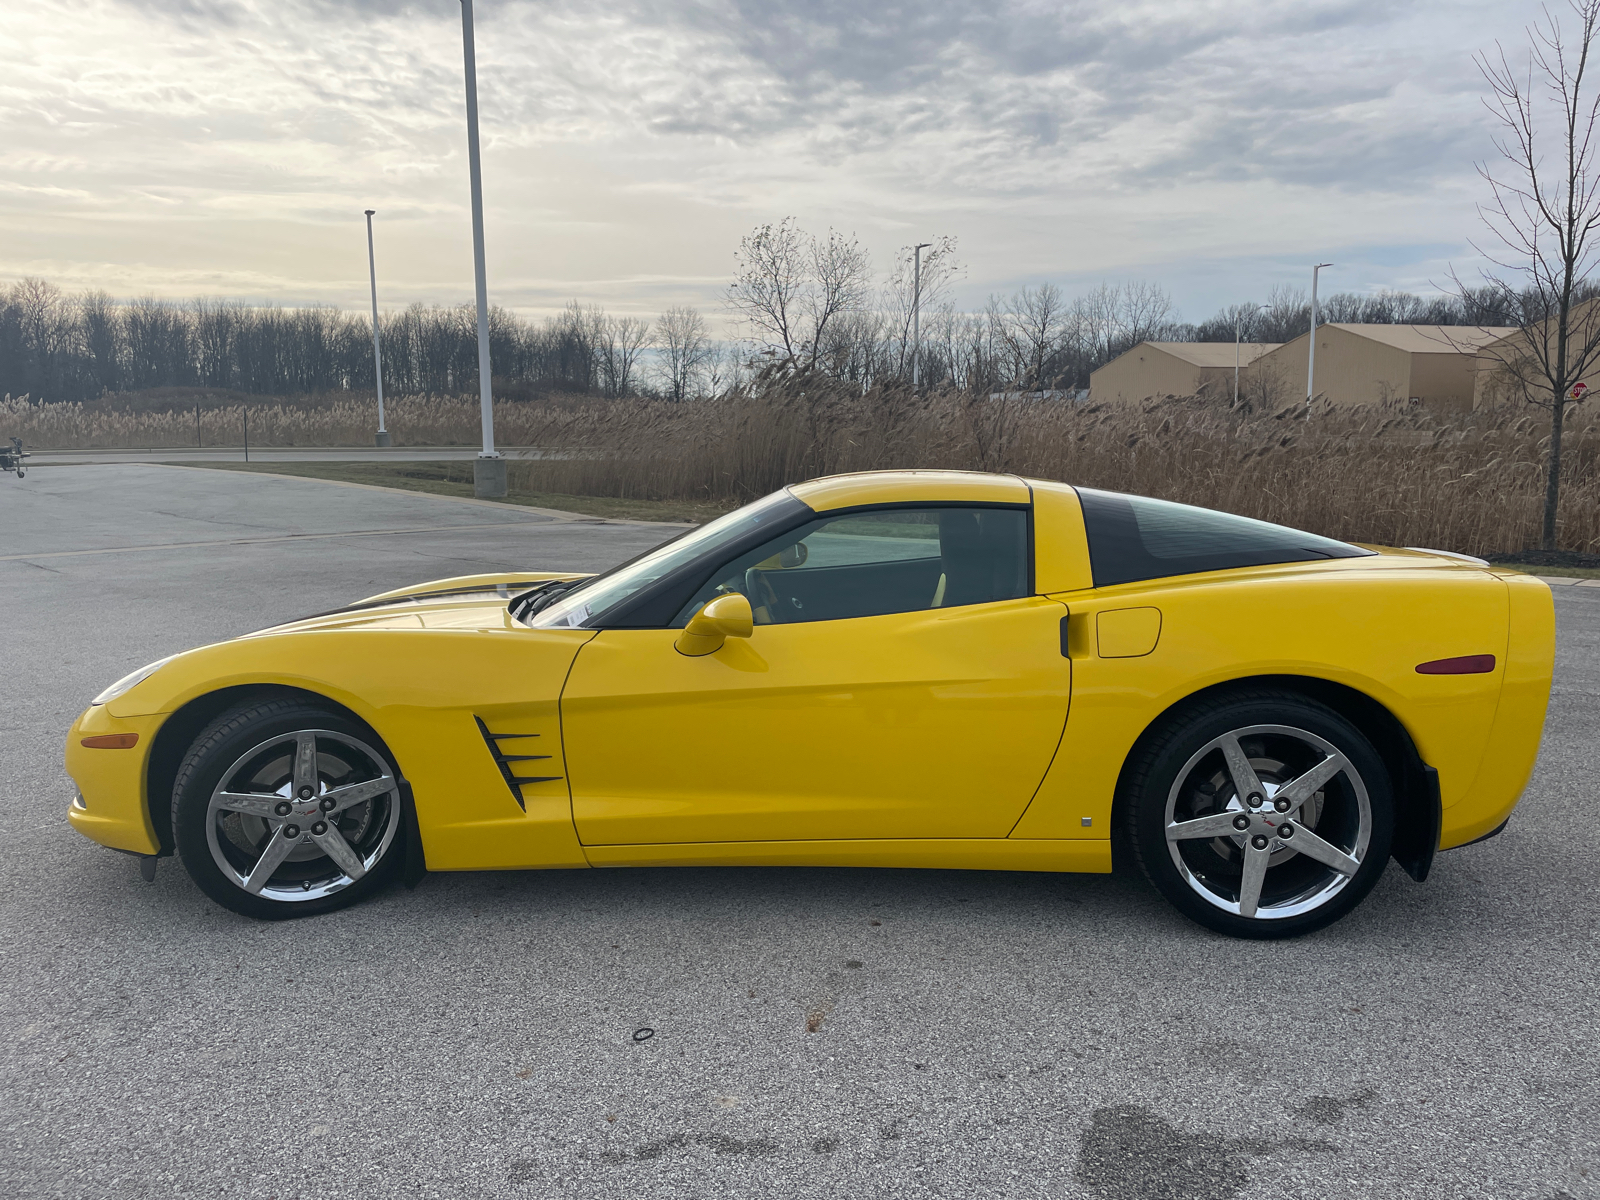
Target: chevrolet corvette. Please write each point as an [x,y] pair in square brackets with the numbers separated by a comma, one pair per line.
[904,668]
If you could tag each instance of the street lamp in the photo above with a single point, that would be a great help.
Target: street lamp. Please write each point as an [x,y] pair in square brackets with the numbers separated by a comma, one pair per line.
[1238,322]
[489,468]
[1311,355]
[916,314]
[377,350]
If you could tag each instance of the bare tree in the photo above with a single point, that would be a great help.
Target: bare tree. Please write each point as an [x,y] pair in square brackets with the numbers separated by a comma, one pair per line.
[1144,313]
[769,285]
[789,287]
[98,318]
[619,341]
[722,368]
[1544,210]
[841,275]
[216,324]
[1030,324]
[685,348]
[43,334]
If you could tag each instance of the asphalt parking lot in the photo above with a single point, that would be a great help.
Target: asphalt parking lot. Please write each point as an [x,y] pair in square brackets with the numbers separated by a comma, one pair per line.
[976,1034]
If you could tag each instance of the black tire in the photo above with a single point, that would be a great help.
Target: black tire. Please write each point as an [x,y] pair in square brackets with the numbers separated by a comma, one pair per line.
[1183,763]
[217,846]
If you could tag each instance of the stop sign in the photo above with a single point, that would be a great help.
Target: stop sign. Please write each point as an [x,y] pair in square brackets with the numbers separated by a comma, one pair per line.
[1578,389]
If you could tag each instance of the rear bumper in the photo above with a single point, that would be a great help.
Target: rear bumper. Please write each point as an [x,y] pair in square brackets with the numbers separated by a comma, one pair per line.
[1513,743]
[110,806]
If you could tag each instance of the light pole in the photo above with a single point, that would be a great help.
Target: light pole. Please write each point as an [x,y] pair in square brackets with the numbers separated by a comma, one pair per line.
[377,350]
[1238,323]
[916,314]
[1311,353]
[489,468]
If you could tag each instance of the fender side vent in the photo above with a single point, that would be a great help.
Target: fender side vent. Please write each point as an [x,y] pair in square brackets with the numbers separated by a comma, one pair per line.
[506,762]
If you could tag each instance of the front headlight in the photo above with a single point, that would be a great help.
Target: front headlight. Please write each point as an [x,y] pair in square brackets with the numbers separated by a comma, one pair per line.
[130,681]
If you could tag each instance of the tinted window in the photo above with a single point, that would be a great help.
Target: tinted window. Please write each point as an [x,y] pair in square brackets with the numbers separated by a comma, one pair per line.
[1133,538]
[886,561]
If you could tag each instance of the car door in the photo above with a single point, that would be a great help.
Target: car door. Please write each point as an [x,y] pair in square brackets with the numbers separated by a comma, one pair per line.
[901,681]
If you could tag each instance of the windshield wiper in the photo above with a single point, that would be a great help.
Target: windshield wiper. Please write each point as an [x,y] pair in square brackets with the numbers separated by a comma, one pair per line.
[531,601]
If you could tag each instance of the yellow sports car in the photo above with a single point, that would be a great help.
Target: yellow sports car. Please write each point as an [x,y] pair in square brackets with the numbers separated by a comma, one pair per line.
[903,668]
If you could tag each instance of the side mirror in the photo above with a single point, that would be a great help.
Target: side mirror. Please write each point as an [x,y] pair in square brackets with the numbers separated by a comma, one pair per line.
[720,619]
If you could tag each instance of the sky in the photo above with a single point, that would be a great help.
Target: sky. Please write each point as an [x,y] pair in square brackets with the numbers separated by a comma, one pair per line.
[1214,147]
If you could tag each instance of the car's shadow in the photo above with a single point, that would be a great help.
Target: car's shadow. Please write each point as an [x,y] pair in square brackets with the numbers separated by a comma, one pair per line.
[771,902]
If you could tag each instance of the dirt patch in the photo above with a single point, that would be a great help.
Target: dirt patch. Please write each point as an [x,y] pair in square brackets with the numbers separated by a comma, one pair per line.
[1129,1153]
[1330,1110]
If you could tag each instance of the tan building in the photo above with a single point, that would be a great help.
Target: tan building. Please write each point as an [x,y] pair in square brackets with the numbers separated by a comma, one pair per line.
[1508,370]
[1173,369]
[1371,364]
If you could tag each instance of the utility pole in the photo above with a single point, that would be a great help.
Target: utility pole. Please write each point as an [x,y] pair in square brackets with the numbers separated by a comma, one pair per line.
[489,468]
[1311,352]
[916,315]
[377,350]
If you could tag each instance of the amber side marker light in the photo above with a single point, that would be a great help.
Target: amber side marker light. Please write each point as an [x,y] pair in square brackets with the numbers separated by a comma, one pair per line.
[127,741]
[1468,664]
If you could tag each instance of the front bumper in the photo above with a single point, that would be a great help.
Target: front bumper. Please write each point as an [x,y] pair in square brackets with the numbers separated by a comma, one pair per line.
[111,806]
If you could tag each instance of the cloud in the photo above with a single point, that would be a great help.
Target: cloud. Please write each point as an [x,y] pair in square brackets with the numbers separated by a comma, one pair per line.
[232,139]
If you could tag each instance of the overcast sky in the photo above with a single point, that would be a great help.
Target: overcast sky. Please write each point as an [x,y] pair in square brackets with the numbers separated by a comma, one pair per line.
[227,147]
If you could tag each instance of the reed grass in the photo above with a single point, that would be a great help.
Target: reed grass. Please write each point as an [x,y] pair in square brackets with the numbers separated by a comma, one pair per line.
[321,420]
[1397,475]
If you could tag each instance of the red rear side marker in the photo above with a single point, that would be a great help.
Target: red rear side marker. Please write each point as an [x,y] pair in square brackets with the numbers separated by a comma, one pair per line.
[1467,664]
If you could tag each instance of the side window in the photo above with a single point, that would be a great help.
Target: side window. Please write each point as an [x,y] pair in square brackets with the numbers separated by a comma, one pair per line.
[885,561]
[1132,538]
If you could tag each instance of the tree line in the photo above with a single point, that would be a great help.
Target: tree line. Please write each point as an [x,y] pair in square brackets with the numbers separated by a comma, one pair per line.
[55,346]
[800,302]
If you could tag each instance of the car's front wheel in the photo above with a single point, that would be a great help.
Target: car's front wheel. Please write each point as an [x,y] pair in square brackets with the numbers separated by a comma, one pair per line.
[286,809]
[1260,815]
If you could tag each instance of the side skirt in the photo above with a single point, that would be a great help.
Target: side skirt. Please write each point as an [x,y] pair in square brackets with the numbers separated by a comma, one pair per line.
[976,854]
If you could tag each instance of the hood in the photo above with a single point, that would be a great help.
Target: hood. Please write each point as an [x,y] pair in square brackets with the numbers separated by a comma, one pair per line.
[502,585]
[460,602]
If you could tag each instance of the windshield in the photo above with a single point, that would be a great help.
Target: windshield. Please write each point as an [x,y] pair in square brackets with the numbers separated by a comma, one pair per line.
[594,597]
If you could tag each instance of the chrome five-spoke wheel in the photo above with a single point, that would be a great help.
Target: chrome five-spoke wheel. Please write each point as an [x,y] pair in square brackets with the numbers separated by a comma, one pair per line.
[303,815]
[1268,821]
[1261,814]
[284,809]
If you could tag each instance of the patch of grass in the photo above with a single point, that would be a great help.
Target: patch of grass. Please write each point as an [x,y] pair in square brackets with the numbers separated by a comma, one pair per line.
[1564,572]
[454,478]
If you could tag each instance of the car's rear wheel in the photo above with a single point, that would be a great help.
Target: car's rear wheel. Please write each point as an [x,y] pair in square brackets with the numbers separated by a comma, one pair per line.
[286,809]
[1260,815]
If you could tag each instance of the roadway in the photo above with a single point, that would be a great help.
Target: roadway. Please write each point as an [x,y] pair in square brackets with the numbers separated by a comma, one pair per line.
[979,1034]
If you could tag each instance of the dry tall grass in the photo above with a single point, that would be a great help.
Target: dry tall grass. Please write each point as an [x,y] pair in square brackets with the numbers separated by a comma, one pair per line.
[1396,475]
[317,421]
